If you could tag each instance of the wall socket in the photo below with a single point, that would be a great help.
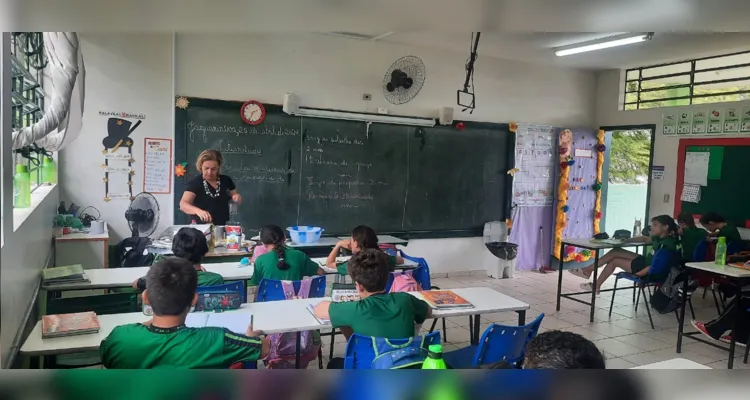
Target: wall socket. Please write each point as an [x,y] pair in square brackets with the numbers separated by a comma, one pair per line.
[366,96]
[666,198]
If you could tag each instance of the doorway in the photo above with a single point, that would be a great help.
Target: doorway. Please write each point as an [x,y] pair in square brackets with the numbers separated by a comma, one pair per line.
[627,178]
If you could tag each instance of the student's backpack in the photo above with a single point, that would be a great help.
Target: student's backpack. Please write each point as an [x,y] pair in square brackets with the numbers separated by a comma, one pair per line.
[670,296]
[409,355]
[405,283]
[133,252]
[284,345]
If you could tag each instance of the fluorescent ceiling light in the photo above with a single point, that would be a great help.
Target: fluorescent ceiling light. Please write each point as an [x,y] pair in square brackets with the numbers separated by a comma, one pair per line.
[351,116]
[604,44]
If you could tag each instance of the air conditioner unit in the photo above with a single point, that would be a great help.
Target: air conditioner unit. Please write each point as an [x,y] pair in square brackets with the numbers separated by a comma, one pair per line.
[446,116]
[291,106]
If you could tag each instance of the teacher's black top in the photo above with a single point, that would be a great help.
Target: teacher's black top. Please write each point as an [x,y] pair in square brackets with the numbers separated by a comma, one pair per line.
[218,206]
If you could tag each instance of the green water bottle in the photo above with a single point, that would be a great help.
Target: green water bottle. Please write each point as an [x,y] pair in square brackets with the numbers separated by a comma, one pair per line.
[434,358]
[21,187]
[49,172]
[721,251]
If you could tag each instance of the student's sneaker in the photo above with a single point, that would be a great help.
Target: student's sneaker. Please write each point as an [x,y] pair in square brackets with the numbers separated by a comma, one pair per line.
[579,273]
[588,287]
[728,339]
[701,327]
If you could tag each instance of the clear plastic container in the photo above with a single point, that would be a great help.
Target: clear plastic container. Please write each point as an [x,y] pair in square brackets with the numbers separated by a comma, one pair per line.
[21,187]
[721,251]
[49,171]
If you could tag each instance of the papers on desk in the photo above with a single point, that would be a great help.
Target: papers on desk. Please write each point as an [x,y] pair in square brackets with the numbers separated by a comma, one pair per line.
[62,275]
[234,321]
[311,308]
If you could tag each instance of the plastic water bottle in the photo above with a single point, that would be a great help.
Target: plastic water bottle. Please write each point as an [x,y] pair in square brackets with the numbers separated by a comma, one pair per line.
[721,251]
[21,187]
[49,172]
[434,358]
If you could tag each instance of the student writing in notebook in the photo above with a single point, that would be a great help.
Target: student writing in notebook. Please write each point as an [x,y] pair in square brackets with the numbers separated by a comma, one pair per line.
[363,237]
[717,226]
[165,341]
[190,244]
[378,314]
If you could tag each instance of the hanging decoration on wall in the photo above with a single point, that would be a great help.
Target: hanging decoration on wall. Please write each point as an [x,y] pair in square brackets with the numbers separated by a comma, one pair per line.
[460,126]
[512,171]
[181,102]
[118,150]
[513,127]
[180,169]
[601,148]
[566,141]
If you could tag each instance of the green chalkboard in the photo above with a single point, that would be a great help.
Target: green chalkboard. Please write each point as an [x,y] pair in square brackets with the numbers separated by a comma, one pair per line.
[419,182]
[727,196]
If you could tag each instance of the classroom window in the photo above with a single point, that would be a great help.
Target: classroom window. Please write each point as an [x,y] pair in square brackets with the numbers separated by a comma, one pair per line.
[27,94]
[706,80]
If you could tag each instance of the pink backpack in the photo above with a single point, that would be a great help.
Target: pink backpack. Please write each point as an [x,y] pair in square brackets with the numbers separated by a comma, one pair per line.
[284,345]
[404,282]
[258,251]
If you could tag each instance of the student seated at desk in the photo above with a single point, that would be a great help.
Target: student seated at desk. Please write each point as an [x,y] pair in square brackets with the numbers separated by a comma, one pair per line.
[190,244]
[378,314]
[165,341]
[723,328]
[664,237]
[363,237]
[562,350]
[717,226]
[281,262]
[690,235]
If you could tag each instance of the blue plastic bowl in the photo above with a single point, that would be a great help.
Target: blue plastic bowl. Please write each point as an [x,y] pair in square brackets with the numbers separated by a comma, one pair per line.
[304,234]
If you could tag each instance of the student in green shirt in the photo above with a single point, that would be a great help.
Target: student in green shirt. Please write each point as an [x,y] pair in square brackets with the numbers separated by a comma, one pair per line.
[165,341]
[378,314]
[664,237]
[363,237]
[281,263]
[690,235]
[190,244]
[717,226]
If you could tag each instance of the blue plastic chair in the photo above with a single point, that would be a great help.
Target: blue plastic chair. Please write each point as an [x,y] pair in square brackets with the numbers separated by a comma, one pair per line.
[498,343]
[272,290]
[664,260]
[230,287]
[422,276]
[360,353]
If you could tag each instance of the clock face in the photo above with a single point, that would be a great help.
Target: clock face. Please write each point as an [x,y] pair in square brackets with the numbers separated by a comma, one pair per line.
[253,112]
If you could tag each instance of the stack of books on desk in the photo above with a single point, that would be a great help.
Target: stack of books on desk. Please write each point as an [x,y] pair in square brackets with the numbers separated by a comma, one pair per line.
[61,325]
[444,300]
[63,275]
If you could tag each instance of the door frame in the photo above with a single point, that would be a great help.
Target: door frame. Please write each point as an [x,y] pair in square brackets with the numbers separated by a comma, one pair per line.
[652,128]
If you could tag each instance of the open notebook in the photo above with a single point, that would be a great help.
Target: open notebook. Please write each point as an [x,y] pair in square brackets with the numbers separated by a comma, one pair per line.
[234,321]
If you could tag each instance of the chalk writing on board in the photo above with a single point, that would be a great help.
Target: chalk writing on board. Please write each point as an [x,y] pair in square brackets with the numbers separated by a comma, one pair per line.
[313,149]
[343,182]
[266,130]
[258,168]
[227,147]
[319,159]
[259,178]
[333,140]
[312,195]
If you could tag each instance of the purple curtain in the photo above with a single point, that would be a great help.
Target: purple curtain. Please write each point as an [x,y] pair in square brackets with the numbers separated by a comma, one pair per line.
[525,233]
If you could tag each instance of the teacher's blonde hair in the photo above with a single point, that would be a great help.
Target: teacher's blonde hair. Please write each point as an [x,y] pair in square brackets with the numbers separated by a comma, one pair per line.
[208,155]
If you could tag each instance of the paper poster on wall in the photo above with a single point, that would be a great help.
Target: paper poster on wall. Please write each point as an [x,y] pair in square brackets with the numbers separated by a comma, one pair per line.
[669,122]
[118,155]
[684,123]
[584,153]
[700,120]
[731,120]
[157,165]
[691,193]
[535,159]
[715,121]
[696,167]
[657,173]
[745,120]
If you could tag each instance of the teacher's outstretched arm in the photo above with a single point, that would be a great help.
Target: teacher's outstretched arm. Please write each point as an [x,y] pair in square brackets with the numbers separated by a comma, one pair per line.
[186,206]
[235,196]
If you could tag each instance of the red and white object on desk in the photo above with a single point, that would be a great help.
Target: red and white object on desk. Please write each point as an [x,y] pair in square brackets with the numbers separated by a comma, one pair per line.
[234,237]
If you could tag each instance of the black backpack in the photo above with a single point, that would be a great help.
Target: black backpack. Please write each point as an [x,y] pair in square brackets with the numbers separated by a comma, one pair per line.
[132,252]
[670,295]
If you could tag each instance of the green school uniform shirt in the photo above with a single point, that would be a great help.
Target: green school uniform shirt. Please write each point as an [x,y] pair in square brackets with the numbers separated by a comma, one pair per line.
[658,243]
[342,267]
[390,315]
[300,266]
[136,346]
[730,232]
[690,239]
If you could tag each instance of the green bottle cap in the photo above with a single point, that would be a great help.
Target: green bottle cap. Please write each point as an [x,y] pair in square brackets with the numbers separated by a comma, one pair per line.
[22,168]
[435,351]
[722,239]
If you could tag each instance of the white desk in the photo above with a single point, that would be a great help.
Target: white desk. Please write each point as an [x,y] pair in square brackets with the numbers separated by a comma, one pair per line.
[270,317]
[385,239]
[408,264]
[675,363]
[104,278]
[86,237]
[710,266]
[329,241]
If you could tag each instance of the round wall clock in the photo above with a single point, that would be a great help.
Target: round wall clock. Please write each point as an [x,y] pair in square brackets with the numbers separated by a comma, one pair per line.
[253,112]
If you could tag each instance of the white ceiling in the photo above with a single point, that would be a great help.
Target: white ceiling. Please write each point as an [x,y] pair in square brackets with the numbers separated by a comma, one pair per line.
[539,47]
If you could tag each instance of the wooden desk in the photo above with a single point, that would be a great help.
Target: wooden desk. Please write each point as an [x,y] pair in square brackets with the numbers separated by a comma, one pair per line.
[85,237]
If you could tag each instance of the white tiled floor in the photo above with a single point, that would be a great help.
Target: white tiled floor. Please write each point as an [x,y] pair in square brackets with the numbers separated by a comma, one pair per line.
[626,338]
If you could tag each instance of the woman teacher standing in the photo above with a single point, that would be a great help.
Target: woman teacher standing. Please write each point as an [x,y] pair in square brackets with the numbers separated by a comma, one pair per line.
[207,195]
